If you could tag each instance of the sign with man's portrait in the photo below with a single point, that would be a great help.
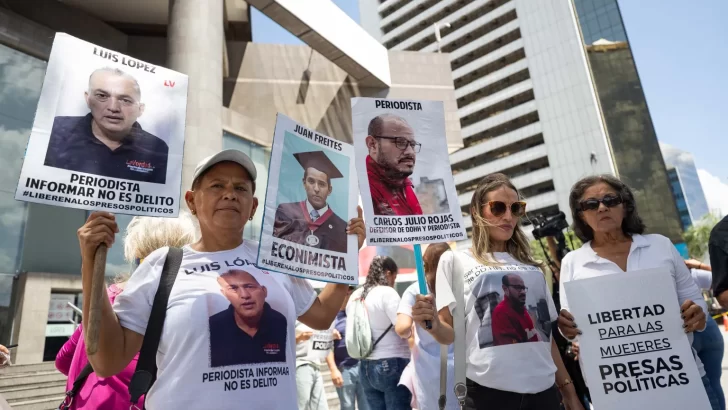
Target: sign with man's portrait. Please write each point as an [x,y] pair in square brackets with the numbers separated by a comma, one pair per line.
[311,197]
[404,168]
[108,133]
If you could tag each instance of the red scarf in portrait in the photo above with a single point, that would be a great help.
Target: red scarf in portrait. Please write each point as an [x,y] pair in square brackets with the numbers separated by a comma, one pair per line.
[396,195]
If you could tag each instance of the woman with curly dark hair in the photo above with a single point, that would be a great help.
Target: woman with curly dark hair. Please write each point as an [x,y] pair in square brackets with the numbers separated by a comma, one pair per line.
[605,217]
[380,372]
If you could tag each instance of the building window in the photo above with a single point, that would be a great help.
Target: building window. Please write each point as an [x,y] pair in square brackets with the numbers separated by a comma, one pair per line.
[261,158]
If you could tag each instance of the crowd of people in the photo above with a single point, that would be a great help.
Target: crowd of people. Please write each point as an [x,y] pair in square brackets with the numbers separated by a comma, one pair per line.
[235,336]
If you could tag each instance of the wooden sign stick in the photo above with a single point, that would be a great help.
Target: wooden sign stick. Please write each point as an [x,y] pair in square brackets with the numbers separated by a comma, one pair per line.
[97,293]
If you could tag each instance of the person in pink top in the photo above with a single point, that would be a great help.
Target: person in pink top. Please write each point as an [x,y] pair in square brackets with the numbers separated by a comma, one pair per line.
[143,236]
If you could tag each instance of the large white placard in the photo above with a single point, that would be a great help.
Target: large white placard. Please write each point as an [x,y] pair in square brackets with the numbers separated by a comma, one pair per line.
[108,133]
[633,350]
[405,178]
[311,196]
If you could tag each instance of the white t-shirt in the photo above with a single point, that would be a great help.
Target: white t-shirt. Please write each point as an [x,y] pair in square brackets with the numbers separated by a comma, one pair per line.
[381,303]
[426,361]
[423,338]
[646,252]
[702,278]
[508,334]
[205,359]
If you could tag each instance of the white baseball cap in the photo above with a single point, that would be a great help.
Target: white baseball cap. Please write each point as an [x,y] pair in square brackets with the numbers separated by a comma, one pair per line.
[231,155]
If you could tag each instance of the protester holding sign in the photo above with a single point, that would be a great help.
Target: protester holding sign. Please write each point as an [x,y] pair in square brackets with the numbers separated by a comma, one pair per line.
[512,364]
[606,220]
[425,360]
[143,236]
[223,199]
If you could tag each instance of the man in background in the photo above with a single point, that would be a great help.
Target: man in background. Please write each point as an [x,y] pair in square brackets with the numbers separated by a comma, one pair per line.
[109,141]
[392,154]
[309,382]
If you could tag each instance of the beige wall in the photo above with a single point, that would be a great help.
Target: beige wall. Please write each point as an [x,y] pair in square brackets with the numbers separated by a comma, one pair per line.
[32,315]
[265,79]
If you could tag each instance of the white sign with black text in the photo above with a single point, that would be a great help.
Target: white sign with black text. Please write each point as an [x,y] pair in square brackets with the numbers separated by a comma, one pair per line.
[108,133]
[633,350]
[405,178]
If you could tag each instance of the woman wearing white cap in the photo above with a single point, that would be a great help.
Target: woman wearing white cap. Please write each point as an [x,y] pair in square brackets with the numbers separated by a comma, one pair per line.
[228,339]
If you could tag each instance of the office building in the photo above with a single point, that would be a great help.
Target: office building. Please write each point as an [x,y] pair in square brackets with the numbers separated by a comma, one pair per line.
[678,193]
[547,92]
[681,168]
[236,87]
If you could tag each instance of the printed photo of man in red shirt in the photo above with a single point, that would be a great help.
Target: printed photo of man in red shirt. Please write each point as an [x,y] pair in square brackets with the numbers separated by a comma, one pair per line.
[391,160]
[511,322]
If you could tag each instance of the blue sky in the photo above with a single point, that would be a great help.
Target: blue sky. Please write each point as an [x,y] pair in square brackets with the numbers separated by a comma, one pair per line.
[681,50]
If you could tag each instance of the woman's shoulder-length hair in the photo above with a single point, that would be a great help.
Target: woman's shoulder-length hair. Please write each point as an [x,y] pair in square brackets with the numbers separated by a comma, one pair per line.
[631,224]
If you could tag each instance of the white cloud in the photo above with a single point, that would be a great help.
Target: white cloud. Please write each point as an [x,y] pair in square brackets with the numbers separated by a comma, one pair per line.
[716,192]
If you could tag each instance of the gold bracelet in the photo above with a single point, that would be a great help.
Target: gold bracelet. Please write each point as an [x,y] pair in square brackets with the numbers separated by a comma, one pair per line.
[566,383]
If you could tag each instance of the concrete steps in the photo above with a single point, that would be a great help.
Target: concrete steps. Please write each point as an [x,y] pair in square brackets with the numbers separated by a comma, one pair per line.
[33,386]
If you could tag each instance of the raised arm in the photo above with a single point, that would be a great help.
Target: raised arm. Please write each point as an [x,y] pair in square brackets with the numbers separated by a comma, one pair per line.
[117,346]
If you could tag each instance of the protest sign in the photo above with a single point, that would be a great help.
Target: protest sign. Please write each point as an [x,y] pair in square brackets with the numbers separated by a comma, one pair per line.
[633,350]
[404,172]
[311,197]
[108,133]
[320,344]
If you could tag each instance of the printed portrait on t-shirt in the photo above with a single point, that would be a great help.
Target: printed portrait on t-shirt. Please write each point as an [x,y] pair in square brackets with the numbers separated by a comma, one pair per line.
[249,330]
[512,305]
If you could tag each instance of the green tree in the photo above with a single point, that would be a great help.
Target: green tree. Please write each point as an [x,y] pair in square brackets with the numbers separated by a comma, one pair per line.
[696,237]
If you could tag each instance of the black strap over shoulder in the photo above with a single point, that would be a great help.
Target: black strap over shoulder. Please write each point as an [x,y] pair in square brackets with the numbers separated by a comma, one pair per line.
[381,337]
[146,368]
[77,384]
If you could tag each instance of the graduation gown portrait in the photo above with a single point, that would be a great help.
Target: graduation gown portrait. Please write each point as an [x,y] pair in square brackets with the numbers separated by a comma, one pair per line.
[293,223]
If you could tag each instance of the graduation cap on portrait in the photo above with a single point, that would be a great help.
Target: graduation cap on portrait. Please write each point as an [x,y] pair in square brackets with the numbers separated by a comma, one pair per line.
[318,160]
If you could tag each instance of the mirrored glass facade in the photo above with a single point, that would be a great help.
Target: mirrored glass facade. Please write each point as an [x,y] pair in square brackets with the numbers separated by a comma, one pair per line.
[21,77]
[630,131]
[680,201]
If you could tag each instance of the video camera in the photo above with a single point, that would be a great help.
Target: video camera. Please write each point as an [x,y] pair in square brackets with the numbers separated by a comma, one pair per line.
[549,225]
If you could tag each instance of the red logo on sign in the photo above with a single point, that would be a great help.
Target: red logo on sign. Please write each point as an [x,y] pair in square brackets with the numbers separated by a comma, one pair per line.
[168,83]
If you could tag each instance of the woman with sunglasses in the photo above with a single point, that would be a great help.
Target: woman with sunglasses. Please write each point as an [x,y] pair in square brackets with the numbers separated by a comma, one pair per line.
[606,220]
[512,360]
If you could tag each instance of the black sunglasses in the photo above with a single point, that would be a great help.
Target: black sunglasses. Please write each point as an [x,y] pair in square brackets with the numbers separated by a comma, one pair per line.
[591,204]
[498,208]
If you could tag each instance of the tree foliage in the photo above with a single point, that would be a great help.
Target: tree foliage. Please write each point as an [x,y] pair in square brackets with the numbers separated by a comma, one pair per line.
[697,236]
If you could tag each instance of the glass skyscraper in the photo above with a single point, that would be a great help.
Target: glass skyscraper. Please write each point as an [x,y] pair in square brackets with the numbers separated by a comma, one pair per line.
[683,164]
[630,132]
[547,93]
